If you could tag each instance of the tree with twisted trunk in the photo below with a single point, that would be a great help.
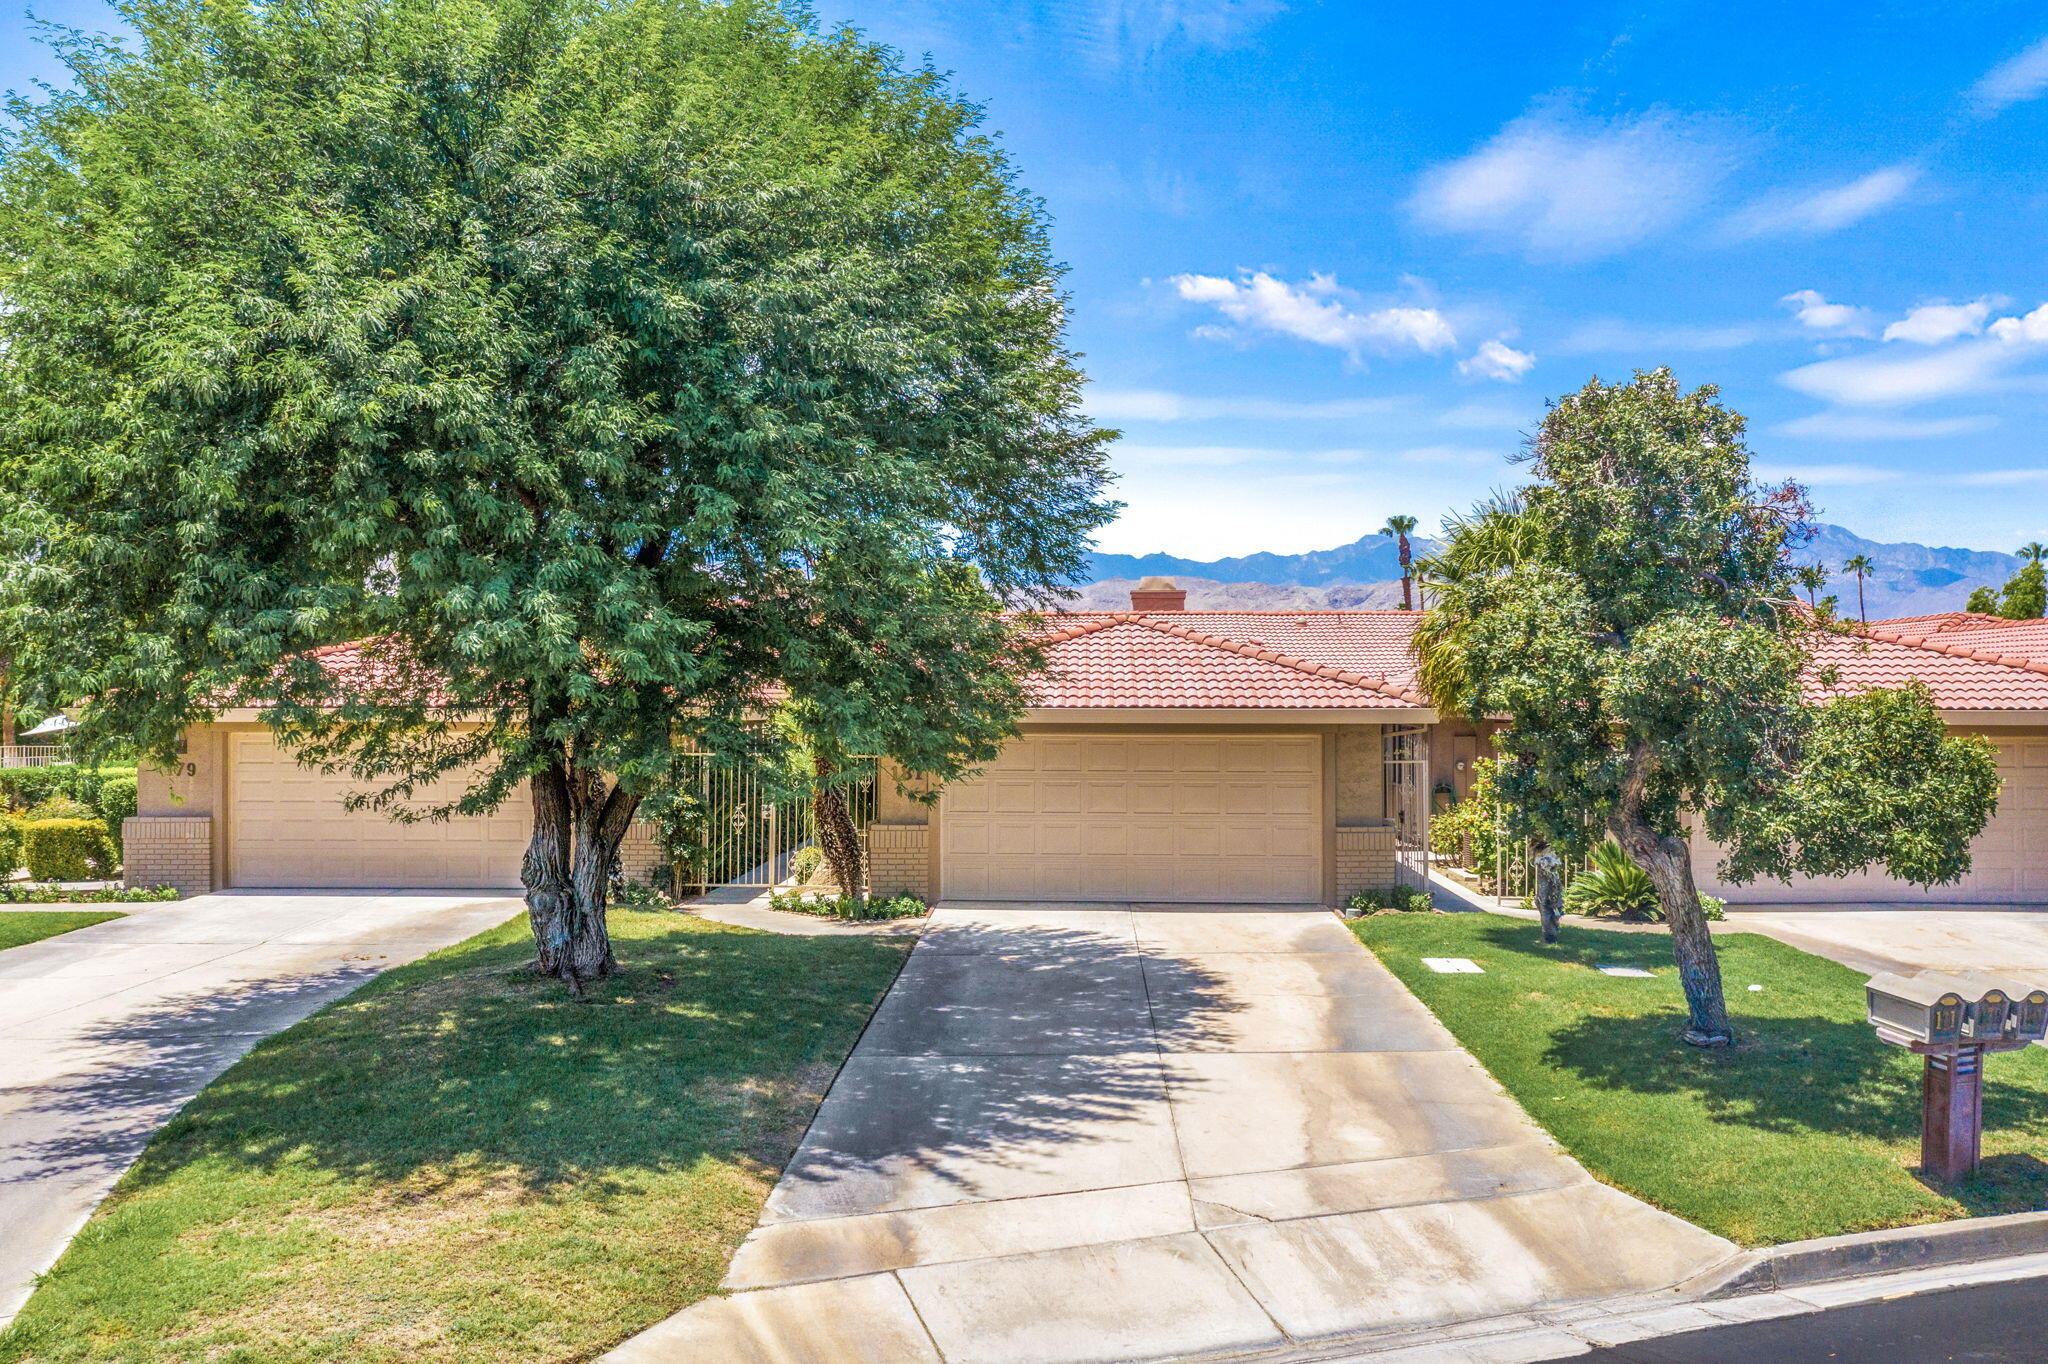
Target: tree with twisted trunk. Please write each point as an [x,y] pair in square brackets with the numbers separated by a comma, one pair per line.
[600,365]
[1631,614]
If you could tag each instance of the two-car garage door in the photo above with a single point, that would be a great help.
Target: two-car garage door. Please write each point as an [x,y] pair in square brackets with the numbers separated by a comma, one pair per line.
[1221,819]
[2008,862]
[287,827]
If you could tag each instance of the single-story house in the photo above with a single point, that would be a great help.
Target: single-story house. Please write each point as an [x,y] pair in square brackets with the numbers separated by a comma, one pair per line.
[1169,755]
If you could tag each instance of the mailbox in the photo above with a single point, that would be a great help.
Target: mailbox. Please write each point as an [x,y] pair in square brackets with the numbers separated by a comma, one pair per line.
[1916,1008]
[2032,1007]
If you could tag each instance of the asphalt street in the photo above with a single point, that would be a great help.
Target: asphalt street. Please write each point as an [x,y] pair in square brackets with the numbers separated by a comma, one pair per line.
[1998,1321]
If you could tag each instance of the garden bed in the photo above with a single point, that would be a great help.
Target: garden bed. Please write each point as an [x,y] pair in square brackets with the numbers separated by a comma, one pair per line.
[1808,1126]
[459,1162]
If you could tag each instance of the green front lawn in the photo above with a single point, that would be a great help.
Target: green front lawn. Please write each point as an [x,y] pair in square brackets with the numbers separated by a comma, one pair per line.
[1809,1126]
[460,1163]
[18,926]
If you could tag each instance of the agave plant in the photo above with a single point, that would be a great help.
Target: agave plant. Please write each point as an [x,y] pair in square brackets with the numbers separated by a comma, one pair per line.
[1616,885]
[1612,885]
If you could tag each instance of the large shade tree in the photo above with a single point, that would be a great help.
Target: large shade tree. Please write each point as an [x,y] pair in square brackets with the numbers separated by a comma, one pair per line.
[611,366]
[1631,614]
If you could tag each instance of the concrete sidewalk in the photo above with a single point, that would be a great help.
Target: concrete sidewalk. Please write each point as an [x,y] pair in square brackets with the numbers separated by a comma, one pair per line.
[111,1029]
[1115,1133]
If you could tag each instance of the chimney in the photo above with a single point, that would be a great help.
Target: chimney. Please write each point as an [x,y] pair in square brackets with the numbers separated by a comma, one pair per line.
[1158,594]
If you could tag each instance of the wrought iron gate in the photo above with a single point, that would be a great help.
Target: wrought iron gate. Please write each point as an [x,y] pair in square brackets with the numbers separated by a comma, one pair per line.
[747,832]
[1405,761]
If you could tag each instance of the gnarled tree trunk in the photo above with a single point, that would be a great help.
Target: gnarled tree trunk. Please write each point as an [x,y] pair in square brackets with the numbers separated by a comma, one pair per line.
[578,824]
[837,837]
[1668,861]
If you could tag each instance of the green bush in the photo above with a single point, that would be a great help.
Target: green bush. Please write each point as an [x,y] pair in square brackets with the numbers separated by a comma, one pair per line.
[1614,885]
[117,802]
[67,850]
[19,894]
[848,906]
[10,845]
[1399,899]
[59,807]
[804,863]
[1473,825]
[23,788]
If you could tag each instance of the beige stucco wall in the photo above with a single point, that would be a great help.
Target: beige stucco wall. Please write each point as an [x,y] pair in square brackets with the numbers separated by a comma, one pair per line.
[1361,789]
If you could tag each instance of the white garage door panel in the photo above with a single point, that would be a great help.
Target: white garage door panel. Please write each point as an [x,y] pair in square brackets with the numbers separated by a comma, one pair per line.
[288,828]
[2009,861]
[1198,819]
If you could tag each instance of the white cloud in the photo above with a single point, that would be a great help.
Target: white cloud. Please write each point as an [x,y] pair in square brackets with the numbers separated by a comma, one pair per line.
[2003,478]
[1930,324]
[2027,329]
[1863,426]
[1816,314]
[1317,311]
[1826,475]
[2013,81]
[1825,210]
[1604,335]
[1889,379]
[1154,405]
[1485,417]
[1562,185]
[1215,456]
[1497,360]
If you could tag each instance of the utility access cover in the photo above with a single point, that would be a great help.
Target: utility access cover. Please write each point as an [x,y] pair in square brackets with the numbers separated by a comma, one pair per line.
[1453,966]
[1635,971]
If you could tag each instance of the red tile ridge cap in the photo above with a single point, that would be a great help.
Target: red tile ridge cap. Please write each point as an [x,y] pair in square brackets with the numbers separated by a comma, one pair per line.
[1382,685]
[1935,646]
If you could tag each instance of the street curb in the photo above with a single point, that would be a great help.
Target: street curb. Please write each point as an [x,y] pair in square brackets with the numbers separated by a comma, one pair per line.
[1799,1263]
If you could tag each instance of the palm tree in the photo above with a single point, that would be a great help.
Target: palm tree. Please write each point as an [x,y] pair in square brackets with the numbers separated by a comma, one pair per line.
[1399,527]
[1813,578]
[1860,564]
[2033,551]
[1474,550]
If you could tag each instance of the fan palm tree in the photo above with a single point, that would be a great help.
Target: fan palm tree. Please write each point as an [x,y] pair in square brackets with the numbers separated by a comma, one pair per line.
[2033,551]
[1489,541]
[1859,564]
[1812,577]
[1400,527]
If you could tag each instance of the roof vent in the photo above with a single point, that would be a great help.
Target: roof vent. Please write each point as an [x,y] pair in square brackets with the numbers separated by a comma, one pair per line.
[1158,594]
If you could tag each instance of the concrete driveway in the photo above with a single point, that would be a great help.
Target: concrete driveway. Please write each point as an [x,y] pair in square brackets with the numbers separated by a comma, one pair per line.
[1871,938]
[110,1029]
[1118,1133]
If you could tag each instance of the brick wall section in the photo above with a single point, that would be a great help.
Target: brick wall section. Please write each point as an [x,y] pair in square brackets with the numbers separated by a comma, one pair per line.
[639,854]
[899,860]
[168,850]
[1365,860]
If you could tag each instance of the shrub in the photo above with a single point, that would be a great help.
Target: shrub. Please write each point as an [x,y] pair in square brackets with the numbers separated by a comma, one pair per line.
[1615,885]
[804,863]
[10,845]
[23,788]
[1474,824]
[67,849]
[117,802]
[849,907]
[1397,899]
[19,894]
[59,807]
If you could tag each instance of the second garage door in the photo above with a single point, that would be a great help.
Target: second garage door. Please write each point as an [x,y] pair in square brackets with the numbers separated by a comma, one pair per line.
[1218,819]
[288,828]
[2008,862]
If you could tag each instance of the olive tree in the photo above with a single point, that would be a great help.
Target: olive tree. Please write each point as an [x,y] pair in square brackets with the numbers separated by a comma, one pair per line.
[604,366]
[1631,614]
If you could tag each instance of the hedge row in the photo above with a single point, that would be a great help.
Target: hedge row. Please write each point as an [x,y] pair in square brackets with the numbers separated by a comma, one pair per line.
[86,805]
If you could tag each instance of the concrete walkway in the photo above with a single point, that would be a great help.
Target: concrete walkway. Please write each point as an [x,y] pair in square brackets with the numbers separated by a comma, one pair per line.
[110,1029]
[1119,1134]
[2003,940]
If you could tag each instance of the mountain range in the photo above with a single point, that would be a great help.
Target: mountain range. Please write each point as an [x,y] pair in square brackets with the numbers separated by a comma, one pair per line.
[1910,579]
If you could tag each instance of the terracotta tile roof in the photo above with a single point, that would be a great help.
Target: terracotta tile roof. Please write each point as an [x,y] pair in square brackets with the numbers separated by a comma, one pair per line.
[2021,639]
[1961,675]
[1208,660]
[1940,623]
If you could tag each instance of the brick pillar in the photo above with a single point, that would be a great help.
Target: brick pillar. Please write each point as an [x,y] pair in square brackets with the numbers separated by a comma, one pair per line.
[168,850]
[899,860]
[1365,859]
[640,853]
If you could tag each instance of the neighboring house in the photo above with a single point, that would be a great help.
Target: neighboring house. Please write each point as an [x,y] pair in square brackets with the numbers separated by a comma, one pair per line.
[1170,755]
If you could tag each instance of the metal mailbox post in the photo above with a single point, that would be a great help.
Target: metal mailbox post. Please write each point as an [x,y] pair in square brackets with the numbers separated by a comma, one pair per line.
[1953,1021]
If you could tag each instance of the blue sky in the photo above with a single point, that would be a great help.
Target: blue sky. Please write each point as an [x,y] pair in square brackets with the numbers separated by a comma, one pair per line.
[1328,259]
